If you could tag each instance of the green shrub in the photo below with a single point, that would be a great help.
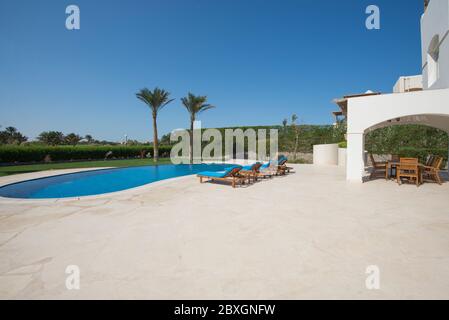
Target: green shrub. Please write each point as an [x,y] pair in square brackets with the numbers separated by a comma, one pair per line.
[413,141]
[35,153]
[421,153]
[390,140]
[343,145]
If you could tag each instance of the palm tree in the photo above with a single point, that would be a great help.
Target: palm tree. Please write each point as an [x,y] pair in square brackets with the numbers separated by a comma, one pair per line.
[284,124]
[89,138]
[12,136]
[194,105]
[296,130]
[294,119]
[156,100]
[52,138]
[72,139]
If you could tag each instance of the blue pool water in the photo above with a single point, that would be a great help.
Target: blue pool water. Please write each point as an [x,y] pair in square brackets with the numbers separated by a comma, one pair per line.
[100,181]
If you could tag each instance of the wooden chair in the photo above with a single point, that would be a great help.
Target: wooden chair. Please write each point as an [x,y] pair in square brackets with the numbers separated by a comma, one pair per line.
[378,168]
[408,168]
[432,172]
[430,160]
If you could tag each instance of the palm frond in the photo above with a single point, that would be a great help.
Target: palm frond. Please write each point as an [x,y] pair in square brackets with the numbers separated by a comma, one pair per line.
[205,107]
[195,104]
[156,99]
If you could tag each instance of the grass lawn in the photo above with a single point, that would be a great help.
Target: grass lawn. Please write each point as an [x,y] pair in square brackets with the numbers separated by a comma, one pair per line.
[5,171]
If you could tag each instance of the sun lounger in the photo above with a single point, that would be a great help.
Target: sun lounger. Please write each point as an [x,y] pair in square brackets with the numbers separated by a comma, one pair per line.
[277,167]
[282,163]
[232,175]
[268,169]
[251,171]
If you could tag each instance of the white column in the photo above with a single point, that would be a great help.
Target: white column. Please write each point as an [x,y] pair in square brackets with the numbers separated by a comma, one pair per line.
[355,164]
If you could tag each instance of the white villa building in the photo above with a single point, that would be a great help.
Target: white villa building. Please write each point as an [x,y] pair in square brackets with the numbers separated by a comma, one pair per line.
[422,99]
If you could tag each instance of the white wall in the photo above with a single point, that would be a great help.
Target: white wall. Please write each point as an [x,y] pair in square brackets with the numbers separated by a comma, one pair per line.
[366,112]
[435,21]
[355,162]
[405,84]
[325,154]
[342,157]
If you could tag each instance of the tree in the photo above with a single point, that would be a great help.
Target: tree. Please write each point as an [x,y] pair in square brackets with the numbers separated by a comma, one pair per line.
[194,105]
[284,124]
[12,136]
[89,139]
[72,139]
[165,140]
[156,100]
[11,131]
[3,137]
[52,138]
[20,138]
[297,132]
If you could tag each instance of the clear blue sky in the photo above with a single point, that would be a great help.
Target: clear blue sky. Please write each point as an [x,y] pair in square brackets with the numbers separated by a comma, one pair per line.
[258,61]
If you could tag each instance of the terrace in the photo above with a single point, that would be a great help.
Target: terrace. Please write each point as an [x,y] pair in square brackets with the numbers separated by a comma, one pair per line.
[310,234]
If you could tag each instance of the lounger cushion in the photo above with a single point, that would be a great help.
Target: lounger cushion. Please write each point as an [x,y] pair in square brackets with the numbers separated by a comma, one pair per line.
[268,164]
[218,174]
[250,168]
[282,159]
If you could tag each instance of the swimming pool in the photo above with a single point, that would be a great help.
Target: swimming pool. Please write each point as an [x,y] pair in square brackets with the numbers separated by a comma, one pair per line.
[97,182]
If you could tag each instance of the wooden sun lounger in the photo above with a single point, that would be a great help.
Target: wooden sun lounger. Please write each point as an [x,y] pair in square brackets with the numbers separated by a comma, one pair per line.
[265,173]
[253,173]
[288,169]
[233,176]
[282,168]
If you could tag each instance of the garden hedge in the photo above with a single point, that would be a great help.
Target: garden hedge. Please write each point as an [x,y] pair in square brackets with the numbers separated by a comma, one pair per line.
[422,153]
[24,154]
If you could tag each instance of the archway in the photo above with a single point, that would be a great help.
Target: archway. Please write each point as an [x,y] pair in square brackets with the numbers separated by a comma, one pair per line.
[405,139]
[368,113]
